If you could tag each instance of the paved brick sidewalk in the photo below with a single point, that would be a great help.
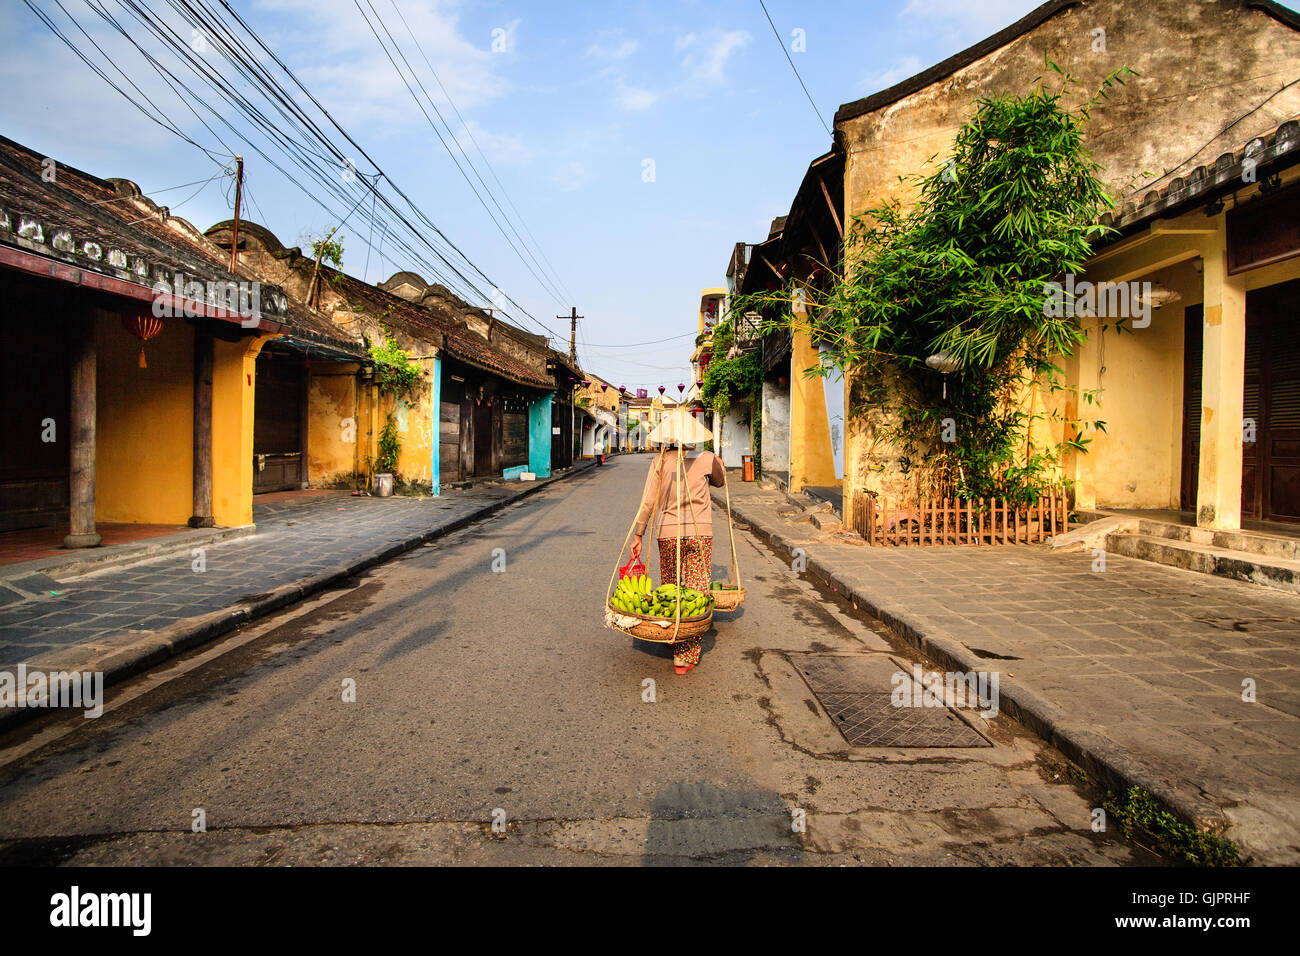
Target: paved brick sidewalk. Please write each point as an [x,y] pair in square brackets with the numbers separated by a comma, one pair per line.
[1151,657]
[295,539]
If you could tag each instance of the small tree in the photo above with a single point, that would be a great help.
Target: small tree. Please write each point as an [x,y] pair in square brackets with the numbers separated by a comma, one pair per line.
[960,278]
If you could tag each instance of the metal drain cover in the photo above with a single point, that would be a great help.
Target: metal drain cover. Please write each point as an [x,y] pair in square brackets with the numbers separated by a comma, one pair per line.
[872,720]
[856,691]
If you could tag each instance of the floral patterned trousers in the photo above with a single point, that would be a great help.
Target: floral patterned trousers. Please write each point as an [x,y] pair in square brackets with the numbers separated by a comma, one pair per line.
[697,573]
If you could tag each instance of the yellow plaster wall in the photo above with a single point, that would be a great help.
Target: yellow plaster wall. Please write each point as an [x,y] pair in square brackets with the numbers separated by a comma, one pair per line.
[144,442]
[811,460]
[1138,462]
[234,364]
[331,402]
[419,413]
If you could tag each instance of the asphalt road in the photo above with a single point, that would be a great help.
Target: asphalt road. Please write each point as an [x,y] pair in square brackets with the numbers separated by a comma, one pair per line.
[487,697]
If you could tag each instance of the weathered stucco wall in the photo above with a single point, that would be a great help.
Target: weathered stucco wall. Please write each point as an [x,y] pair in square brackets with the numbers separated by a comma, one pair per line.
[776,426]
[1139,373]
[332,446]
[417,422]
[736,435]
[1203,65]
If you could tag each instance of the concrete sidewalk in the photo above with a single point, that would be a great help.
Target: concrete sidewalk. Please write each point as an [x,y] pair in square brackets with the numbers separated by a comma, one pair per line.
[123,619]
[1135,672]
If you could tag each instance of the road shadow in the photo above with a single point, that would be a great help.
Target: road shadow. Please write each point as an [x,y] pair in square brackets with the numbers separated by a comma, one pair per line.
[699,823]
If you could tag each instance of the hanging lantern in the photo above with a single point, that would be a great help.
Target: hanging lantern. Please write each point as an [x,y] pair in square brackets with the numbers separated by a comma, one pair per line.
[699,383]
[586,383]
[661,389]
[681,387]
[945,365]
[603,386]
[622,388]
[144,326]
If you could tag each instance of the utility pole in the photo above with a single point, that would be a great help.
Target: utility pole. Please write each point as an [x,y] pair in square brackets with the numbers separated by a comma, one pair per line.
[573,318]
[234,229]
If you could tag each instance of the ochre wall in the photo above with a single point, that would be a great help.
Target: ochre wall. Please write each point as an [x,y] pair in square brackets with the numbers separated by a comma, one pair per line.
[233,376]
[811,459]
[419,413]
[144,441]
[1137,463]
[331,401]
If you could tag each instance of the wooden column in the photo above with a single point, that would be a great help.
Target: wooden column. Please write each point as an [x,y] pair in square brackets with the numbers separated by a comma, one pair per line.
[203,367]
[81,426]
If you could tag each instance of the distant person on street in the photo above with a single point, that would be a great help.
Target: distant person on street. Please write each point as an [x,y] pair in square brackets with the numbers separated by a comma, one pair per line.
[692,527]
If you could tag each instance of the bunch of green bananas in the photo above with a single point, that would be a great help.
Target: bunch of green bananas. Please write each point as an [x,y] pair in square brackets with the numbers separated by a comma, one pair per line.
[635,596]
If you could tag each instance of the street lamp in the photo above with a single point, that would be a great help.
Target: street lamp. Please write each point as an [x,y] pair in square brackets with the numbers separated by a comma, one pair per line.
[944,364]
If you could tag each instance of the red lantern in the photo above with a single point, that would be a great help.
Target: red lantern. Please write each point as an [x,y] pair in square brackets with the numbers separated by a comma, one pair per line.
[144,326]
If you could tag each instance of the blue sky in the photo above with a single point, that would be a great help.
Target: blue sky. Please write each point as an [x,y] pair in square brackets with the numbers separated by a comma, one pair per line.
[568,109]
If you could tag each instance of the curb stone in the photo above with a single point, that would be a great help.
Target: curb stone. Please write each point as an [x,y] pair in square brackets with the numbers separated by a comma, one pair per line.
[1102,758]
[131,652]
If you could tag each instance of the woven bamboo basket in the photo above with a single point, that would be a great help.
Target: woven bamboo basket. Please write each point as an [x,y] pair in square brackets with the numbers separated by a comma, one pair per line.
[646,630]
[688,627]
[734,596]
[729,599]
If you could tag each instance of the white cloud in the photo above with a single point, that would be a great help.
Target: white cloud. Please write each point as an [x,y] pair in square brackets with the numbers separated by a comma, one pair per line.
[610,45]
[501,149]
[571,176]
[901,69]
[634,99]
[707,56]
[336,55]
[964,17]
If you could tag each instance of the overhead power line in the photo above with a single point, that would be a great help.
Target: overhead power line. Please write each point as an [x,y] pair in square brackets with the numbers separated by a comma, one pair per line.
[777,34]
[550,290]
[276,123]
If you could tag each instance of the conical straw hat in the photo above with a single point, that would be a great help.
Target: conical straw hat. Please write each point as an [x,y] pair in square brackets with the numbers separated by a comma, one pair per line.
[680,426]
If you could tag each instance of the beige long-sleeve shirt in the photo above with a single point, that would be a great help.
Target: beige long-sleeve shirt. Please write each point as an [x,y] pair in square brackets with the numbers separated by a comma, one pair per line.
[695,517]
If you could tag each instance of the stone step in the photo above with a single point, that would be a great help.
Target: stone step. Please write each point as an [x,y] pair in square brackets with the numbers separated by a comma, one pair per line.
[827,521]
[1250,542]
[1280,573]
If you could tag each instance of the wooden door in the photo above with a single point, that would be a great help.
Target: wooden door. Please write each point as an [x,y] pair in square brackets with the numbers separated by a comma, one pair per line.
[483,440]
[449,442]
[1270,464]
[1277,309]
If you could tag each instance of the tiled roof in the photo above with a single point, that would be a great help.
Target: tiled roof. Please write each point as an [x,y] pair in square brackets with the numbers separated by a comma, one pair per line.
[1281,144]
[71,221]
[95,225]
[459,342]
[417,321]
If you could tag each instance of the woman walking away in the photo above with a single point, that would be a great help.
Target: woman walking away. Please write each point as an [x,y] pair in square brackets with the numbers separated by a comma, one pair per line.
[689,529]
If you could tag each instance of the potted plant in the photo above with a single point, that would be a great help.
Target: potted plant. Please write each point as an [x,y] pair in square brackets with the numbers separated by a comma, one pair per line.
[390,446]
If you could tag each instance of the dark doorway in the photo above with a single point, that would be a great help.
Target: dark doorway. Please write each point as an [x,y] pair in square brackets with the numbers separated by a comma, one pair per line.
[279,425]
[561,433]
[483,439]
[34,399]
